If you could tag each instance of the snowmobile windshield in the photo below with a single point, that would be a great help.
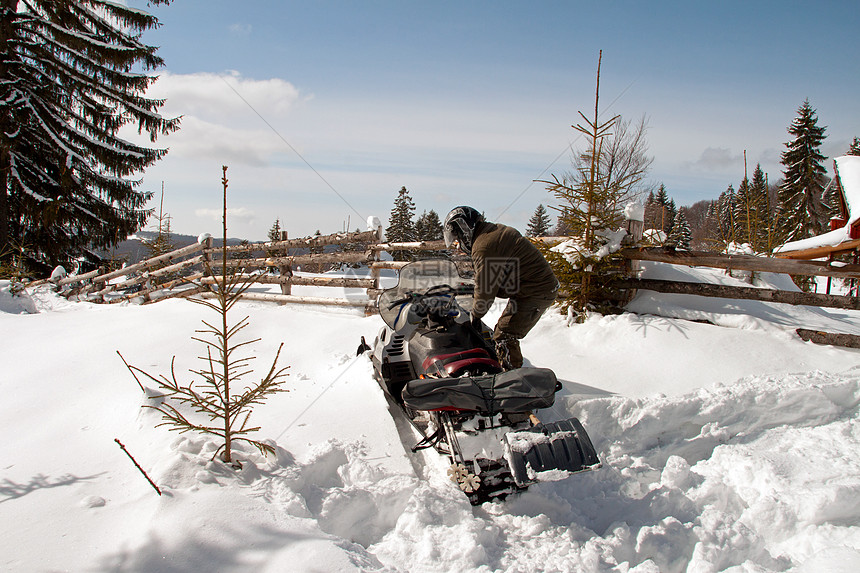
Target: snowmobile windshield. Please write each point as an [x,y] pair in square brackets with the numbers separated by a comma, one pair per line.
[423,279]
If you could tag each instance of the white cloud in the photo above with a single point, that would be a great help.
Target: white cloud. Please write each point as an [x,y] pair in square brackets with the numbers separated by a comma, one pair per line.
[239,29]
[239,215]
[717,159]
[207,140]
[221,97]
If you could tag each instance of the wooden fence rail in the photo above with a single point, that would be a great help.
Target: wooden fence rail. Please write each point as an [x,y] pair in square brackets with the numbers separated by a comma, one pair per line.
[745,293]
[742,262]
[195,263]
[187,271]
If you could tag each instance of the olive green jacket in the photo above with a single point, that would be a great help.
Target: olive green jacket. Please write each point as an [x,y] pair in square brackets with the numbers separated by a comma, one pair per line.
[507,265]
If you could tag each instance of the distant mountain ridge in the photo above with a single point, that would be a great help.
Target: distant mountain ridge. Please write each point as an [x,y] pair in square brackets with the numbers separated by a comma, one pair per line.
[134,250]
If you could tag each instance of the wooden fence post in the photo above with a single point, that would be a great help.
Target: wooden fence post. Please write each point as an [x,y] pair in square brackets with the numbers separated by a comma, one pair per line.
[100,285]
[375,270]
[635,215]
[207,256]
[285,271]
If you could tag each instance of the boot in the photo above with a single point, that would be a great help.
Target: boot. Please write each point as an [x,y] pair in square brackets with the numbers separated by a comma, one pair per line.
[508,350]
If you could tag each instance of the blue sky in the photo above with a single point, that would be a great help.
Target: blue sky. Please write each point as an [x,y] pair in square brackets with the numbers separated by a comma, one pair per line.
[323,110]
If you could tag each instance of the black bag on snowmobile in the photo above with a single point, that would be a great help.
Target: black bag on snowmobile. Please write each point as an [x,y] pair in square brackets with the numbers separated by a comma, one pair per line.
[520,390]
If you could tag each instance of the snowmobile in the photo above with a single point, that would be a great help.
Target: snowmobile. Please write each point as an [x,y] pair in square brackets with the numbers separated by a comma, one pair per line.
[442,373]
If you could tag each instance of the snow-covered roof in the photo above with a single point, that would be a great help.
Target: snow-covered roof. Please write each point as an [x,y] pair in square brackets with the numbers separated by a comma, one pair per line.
[848,171]
[831,239]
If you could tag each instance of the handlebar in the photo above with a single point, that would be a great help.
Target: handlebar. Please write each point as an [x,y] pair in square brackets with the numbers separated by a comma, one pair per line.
[438,290]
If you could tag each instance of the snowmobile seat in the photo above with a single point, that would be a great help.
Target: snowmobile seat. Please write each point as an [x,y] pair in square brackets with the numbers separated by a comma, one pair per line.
[520,390]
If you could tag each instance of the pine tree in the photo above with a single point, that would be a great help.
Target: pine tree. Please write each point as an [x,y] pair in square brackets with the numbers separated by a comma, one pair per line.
[725,211]
[854,148]
[671,213]
[428,227]
[218,402]
[681,234]
[71,75]
[162,242]
[801,209]
[745,212]
[652,209]
[591,203]
[275,231]
[660,210]
[401,227]
[661,199]
[763,220]
[562,228]
[539,223]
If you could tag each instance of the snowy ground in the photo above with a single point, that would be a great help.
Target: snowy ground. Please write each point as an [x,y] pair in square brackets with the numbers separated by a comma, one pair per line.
[729,446]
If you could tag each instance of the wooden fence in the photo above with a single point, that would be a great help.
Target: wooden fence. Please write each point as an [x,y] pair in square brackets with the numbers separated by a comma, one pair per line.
[186,271]
[192,270]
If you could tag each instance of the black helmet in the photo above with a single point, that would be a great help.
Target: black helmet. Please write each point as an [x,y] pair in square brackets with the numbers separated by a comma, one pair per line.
[460,226]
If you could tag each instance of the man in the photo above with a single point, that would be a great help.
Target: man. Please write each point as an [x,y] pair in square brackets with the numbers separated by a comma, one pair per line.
[507,265]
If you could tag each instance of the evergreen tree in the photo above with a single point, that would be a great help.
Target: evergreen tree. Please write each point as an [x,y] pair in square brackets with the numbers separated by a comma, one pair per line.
[681,234]
[428,227]
[801,209]
[401,227]
[744,215]
[763,221]
[660,210]
[539,223]
[725,210]
[71,75]
[671,213]
[854,148]
[653,211]
[162,242]
[275,231]
[562,228]
[591,200]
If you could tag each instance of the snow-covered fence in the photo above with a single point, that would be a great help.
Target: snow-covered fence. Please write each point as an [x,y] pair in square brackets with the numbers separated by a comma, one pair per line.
[744,263]
[190,270]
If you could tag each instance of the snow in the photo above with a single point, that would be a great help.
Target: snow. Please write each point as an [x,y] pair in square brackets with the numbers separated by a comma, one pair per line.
[58,273]
[828,239]
[373,223]
[726,446]
[634,211]
[849,175]
[574,251]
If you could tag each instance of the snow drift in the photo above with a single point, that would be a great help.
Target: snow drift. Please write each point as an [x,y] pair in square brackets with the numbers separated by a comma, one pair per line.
[725,448]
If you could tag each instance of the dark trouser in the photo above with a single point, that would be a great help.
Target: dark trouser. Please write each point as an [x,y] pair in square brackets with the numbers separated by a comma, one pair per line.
[518,318]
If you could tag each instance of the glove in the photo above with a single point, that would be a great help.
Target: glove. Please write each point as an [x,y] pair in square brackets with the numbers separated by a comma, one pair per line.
[475,320]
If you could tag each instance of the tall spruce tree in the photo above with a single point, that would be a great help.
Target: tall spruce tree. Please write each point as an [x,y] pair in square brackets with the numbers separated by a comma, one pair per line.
[854,148]
[71,75]
[401,227]
[802,213]
[539,223]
